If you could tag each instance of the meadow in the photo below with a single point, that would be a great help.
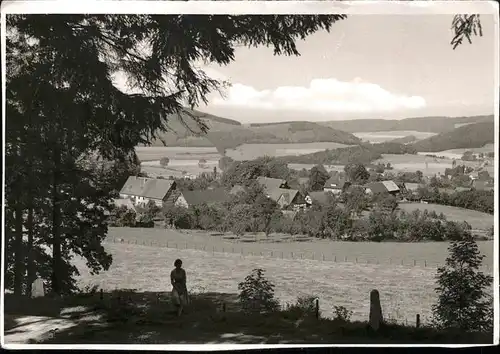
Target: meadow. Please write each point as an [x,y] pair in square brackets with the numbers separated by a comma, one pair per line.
[421,254]
[253,151]
[405,291]
[379,137]
[476,219]
[412,163]
[155,153]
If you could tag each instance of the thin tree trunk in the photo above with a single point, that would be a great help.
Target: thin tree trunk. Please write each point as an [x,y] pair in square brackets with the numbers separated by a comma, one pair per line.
[31,258]
[56,237]
[18,249]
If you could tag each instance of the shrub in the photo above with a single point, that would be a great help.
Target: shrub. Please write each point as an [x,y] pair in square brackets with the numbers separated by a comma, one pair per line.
[305,306]
[164,161]
[340,313]
[463,302]
[257,293]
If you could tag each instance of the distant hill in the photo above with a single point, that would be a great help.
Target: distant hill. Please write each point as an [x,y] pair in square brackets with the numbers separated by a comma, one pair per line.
[467,136]
[226,133]
[423,124]
[364,153]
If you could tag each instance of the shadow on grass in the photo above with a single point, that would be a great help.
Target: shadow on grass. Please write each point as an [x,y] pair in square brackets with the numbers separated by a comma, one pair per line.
[148,317]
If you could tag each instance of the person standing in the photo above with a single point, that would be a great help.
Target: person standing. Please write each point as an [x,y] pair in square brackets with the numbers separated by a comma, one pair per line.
[179,291]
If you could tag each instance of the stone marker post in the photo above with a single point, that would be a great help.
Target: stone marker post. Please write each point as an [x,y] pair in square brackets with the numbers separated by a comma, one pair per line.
[37,289]
[376,318]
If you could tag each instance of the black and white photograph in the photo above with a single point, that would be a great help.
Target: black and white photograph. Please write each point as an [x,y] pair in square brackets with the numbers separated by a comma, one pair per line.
[249,173]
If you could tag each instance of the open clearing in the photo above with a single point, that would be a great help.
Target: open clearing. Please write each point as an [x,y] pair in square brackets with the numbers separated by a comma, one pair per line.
[404,291]
[253,151]
[476,219]
[379,137]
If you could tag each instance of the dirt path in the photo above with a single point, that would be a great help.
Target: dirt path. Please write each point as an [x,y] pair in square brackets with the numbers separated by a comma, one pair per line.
[32,329]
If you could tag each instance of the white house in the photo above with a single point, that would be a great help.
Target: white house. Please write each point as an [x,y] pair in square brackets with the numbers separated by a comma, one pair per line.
[141,190]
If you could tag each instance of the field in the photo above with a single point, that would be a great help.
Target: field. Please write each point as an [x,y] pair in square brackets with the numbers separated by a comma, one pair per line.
[155,153]
[477,219]
[379,137]
[412,163]
[181,159]
[457,153]
[253,151]
[405,290]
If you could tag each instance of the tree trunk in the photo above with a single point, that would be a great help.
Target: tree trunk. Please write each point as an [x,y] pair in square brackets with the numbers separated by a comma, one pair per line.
[31,258]
[56,237]
[18,249]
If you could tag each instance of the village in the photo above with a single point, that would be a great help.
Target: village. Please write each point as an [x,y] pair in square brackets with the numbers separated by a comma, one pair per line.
[381,189]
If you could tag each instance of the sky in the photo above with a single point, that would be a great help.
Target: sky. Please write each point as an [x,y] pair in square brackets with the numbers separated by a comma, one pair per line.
[368,66]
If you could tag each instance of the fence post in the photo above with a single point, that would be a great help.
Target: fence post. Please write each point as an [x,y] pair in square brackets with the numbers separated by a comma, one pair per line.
[176,246]
[414,262]
[292,255]
[345,258]
[335,258]
[323,257]
[418,320]
[281,254]
[425,262]
[317,308]
[356,259]
[272,253]
[213,249]
[167,243]
[223,307]
[101,295]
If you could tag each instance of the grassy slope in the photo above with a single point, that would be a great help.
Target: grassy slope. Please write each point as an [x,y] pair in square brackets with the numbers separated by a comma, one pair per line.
[224,133]
[468,136]
[424,124]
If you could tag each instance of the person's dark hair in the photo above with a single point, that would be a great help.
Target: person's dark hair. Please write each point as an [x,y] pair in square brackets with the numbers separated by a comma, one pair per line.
[177,263]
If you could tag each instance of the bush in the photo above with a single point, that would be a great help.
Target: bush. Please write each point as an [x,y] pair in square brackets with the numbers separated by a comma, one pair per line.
[463,302]
[164,161]
[340,313]
[305,306]
[257,293]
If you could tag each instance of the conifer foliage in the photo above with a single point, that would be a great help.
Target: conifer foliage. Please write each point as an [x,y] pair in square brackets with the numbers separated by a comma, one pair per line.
[69,130]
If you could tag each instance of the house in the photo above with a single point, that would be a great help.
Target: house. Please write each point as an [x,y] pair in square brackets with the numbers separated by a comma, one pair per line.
[142,190]
[412,188]
[383,187]
[287,197]
[335,185]
[482,185]
[185,199]
[319,198]
[272,183]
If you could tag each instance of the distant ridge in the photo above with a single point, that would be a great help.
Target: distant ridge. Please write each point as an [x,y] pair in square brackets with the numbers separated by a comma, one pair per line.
[467,136]
[421,124]
[226,133]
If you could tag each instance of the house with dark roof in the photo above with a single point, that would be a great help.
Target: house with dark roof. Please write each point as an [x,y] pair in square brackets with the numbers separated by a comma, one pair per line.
[185,199]
[142,190]
[383,187]
[319,197]
[335,185]
[272,183]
